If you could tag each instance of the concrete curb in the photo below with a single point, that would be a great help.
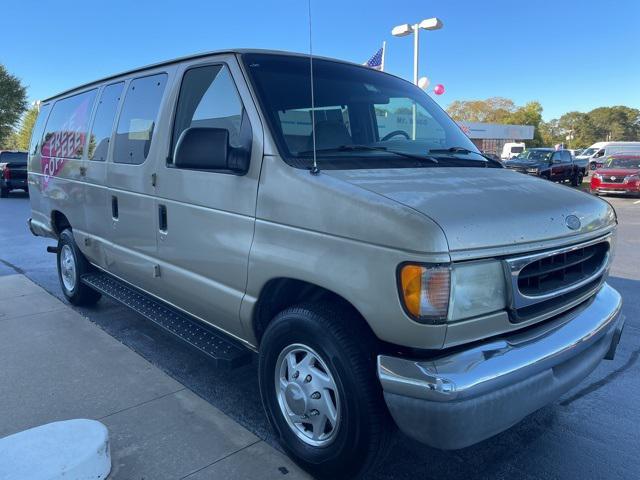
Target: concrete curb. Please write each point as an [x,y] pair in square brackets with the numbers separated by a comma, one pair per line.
[72,449]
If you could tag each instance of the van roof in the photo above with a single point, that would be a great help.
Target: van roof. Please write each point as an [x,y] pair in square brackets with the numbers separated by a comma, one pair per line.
[236,51]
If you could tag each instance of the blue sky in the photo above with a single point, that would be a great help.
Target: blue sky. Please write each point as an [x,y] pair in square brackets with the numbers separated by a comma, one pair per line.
[567,54]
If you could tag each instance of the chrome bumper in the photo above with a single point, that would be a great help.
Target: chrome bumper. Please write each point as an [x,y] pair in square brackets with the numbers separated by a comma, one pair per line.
[460,399]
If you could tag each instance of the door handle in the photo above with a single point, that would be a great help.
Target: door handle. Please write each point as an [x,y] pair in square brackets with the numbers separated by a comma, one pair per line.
[162,218]
[114,207]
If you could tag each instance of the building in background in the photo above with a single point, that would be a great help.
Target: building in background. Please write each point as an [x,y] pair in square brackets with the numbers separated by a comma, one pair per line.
[490,137]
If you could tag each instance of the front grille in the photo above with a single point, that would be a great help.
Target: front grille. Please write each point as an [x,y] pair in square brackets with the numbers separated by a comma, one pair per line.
[547,282]
[613,179]
[536,310]
[564,269]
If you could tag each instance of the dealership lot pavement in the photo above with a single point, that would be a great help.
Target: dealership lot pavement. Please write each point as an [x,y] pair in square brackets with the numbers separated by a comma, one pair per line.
[57,365]
[592,432]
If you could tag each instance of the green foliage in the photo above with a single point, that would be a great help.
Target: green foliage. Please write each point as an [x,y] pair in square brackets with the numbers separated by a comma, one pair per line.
[491,110]
[500,110]
[13,102]
[20,139]
[574,129]
[529,114]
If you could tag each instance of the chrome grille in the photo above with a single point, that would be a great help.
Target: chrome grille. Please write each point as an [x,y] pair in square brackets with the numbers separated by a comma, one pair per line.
[613,178]
[545,283]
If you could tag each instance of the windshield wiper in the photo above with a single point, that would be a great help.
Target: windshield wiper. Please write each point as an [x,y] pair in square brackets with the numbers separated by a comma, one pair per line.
[464,151]
[355,148]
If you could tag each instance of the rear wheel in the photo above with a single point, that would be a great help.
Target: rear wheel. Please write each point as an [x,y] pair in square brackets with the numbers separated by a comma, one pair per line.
[319,389]
[72,264]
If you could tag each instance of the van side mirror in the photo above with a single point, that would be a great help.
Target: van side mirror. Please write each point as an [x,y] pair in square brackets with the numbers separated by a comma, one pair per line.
[202,148]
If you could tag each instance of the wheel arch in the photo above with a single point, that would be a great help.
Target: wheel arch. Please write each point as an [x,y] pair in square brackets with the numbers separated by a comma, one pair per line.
[283,292]
[59,222]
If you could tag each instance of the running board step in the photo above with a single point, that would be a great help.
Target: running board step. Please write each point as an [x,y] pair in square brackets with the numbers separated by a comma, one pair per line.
[224,351]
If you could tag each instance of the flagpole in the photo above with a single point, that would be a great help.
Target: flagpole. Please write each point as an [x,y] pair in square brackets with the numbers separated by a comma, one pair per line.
[384,51]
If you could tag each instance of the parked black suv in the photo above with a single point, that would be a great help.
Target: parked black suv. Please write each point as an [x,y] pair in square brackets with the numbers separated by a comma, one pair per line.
[554,165]
[13,172]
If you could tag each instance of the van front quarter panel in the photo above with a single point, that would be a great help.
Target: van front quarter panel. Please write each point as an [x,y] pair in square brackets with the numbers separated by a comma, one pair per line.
[321,230]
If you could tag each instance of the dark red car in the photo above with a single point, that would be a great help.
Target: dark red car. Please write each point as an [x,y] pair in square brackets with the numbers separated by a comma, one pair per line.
[619,174]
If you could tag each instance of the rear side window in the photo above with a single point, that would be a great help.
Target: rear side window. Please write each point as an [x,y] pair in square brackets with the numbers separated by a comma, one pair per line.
[13,157]
[138,119]
[209,98]
[66,129]
[103,122]
[38,129]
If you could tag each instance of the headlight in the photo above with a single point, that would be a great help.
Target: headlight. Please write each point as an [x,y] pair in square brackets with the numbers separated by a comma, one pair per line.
[476,288]
[631,178]
[597,175]
[532,170]
[437,294]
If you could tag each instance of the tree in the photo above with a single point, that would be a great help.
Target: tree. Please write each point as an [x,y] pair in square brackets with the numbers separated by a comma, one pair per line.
[551,132]
[529,114]
[13,102]
[616,123]
[491,110]
[20,139]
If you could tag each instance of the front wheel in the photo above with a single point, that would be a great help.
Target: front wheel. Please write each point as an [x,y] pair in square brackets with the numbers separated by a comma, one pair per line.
[72,264]
[319,389]
[577,179]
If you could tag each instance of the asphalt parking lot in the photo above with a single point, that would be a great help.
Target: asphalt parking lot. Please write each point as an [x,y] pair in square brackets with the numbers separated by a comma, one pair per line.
[592,432]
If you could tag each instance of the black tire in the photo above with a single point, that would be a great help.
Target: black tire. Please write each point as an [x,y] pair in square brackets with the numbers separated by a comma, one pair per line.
[349,349]
[577,179]
[4,192]
[79,293]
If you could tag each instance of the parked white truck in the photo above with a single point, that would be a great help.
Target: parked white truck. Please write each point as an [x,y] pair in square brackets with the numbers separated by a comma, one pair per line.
[511,149]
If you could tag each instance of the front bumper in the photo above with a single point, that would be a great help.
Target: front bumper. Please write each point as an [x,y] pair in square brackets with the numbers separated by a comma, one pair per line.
[13,184]
[457,400]
[617,188]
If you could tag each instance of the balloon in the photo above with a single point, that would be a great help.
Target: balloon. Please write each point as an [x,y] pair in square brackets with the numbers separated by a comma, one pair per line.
[423,83]
[438,89]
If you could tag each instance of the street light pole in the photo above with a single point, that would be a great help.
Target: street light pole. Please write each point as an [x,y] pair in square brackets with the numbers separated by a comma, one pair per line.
[416,52]
[414,108]
[407,29]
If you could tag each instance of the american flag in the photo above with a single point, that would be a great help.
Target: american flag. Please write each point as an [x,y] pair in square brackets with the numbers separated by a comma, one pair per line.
[375,61]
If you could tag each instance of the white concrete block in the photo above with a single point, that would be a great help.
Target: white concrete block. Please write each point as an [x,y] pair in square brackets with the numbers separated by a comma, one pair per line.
[69,450]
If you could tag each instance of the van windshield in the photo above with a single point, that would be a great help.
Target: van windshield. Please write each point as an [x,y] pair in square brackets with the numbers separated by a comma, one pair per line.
[363,118]
[588,152]
[534,155]
[617,162]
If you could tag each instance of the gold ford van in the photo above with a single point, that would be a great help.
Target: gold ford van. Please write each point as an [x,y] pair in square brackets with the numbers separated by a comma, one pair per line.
[381,268]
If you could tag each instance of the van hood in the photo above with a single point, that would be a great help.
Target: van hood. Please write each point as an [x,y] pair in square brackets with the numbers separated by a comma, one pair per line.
[486,207]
